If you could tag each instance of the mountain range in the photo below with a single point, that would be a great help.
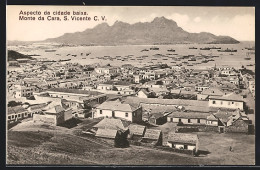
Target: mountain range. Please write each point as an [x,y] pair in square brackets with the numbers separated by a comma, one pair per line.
[159,31]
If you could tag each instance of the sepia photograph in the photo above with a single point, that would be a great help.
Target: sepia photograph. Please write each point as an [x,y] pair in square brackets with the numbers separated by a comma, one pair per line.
[130,85]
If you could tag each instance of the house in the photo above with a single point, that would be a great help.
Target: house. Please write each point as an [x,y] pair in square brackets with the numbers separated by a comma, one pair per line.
[112,123]
[152,137]
[76,95]
[183,141]
[107,133]
[188,118]
[55,116]
[230,101]
[136,131]
[234,121]
[142,93]
[201,87]
[105,87]
[112,128]
[25,90]
[118,109]
[17,113]
[137,78]
[212,91]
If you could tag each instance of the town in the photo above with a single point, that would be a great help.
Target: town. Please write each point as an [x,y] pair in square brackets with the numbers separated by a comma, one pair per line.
[160,106]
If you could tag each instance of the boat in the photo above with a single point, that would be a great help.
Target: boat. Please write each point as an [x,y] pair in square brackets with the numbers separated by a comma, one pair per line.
[206,48]
[83,58]
[204,61]
[87,54]
[227,50]
[192,59]
[250,48]
[144,50]
[193,48]
[171,50]
[64,60]
[50,50]
[154,48]
[248,57]
[215,47]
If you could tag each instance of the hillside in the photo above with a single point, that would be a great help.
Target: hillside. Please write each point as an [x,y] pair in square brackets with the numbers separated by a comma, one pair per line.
[159,31]
[13,55]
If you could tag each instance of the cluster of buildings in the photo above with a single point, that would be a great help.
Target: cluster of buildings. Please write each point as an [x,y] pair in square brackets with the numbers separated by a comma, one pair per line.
[127,96]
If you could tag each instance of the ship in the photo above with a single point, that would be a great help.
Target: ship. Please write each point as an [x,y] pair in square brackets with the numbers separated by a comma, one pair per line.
[64,60]
[248,57]
[193,48]
[215,47]
[227,50]
[154,48]
[144,50]
[171,50]
[206,48]
[50,50]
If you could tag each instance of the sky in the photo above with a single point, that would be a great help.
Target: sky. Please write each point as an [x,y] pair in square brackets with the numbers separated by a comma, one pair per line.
[237,22]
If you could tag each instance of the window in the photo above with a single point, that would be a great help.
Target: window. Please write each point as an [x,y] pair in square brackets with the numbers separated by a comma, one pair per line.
[179,120]
[198,120]
[12,116]
[213,102]
[9,117]
[100,112]
[171,119]
[232,102]
[126,114]
[188,120]
[228,103]
[134,114]
[221,102]
[185,146]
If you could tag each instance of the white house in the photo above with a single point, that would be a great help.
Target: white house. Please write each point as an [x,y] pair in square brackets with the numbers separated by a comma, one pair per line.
[119,110]
[230,101]
[183,141]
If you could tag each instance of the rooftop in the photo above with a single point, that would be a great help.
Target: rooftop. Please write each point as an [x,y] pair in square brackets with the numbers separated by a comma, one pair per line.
[152,134]
[112,123]
[229,97]
[75,91]
[183,138]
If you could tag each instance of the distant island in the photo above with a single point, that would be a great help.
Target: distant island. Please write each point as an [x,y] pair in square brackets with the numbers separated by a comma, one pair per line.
[160,31]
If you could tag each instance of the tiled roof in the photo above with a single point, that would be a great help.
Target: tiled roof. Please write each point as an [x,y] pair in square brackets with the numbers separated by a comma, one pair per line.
[106,133]
[182,138]
[213,91]
[180,102]
[112,123]
[137,129]
[189,115]
[16,109]
[116,105]
[38,106]
[211,117]
[229,97]
[152,134]
[75,91]
[55,109]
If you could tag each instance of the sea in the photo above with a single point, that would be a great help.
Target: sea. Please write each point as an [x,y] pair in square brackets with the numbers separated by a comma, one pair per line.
[144,55]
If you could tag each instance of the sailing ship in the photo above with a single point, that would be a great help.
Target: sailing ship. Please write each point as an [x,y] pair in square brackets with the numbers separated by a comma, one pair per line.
[248,57]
